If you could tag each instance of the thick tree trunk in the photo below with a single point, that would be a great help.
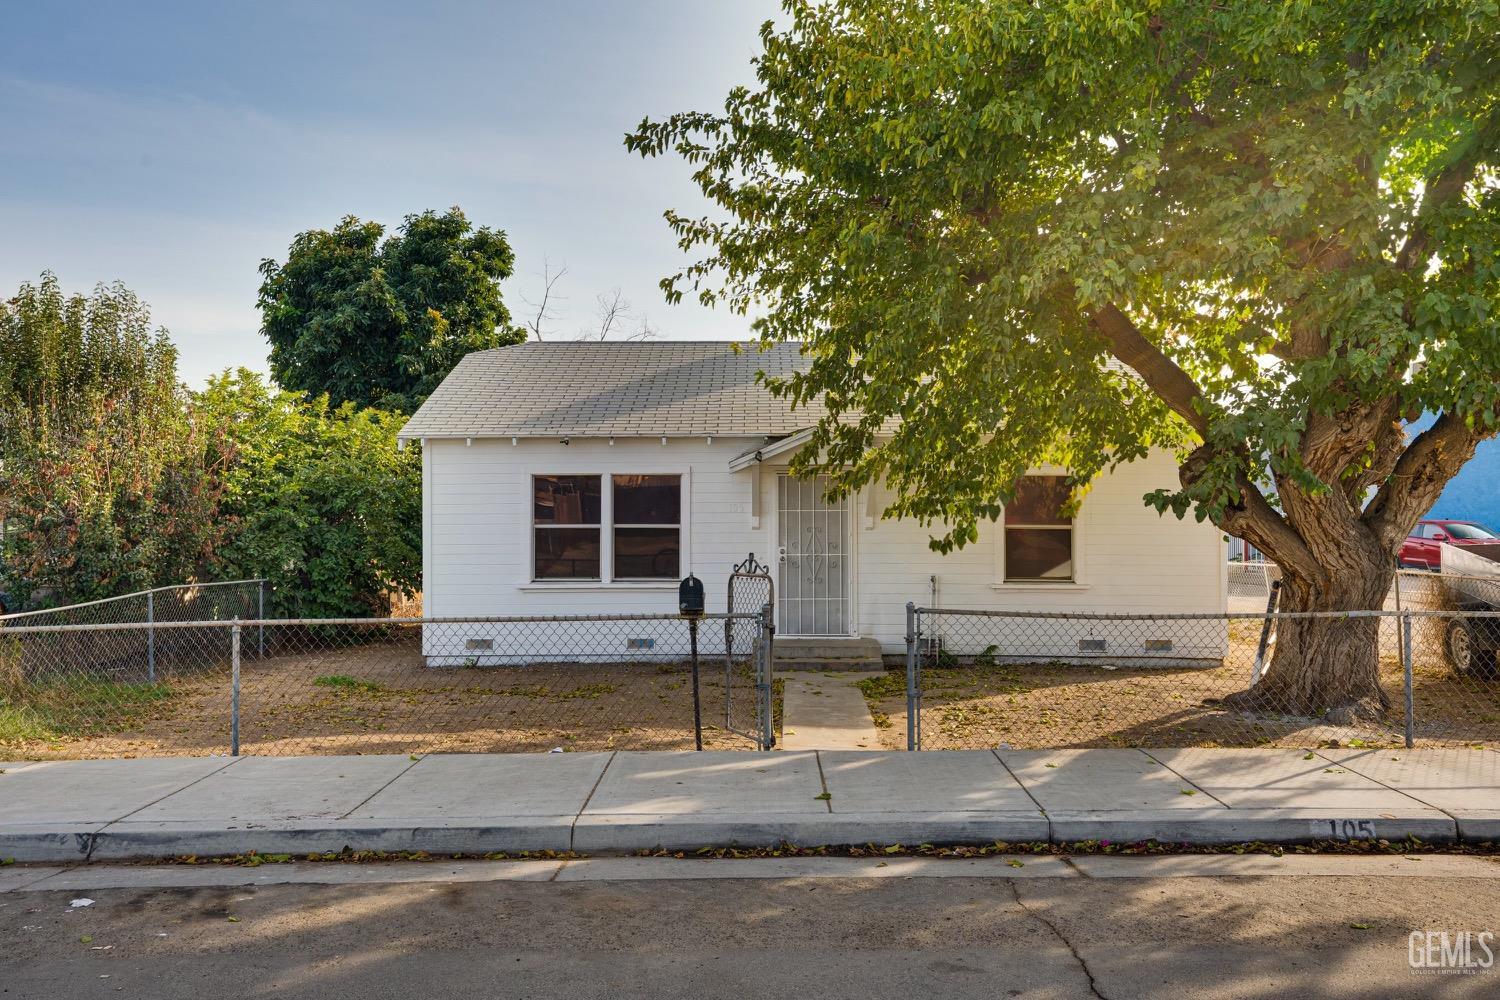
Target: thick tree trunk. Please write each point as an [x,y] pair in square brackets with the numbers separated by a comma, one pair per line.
[1335,543]
[1327,667]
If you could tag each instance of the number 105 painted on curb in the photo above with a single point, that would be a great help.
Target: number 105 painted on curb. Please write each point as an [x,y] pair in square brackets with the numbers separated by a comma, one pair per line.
[1351,829]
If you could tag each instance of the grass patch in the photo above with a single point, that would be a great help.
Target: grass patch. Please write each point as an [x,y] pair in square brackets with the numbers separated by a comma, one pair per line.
[891,684]
[62,709]
[24,724]
[343,682]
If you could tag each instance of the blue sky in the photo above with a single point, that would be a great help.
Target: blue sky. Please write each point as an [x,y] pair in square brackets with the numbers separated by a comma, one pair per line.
[173,146]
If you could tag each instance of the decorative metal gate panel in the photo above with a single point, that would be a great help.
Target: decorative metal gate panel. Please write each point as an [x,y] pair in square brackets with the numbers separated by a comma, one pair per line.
[814,556]
[749,654]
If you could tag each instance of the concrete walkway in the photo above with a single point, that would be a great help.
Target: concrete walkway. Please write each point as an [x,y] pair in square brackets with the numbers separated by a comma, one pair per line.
[612,803]
[826,711]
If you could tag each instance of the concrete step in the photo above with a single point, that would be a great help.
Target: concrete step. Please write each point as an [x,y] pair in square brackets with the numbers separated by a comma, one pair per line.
[825,665]
[827,653]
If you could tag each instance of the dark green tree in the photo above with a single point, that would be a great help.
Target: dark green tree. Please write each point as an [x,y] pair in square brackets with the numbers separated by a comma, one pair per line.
[379,321]
[1284,218]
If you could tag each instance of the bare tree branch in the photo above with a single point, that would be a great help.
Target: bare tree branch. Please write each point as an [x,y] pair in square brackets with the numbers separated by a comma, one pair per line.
[544,313]
[643,330]
[612,307]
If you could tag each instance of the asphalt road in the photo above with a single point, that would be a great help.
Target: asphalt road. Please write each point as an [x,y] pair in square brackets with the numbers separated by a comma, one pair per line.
[1280,936]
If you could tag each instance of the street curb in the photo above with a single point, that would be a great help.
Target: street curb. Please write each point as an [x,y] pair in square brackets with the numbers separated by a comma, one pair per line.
[1241,826]
[62,842]
[125,841]
[626,834]
[1478,826]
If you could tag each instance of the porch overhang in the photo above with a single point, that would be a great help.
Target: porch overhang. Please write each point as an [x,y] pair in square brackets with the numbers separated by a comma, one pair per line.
[773,449]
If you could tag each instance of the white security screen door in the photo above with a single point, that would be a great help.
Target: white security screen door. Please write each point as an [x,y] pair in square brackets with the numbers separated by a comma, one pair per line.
[814,558]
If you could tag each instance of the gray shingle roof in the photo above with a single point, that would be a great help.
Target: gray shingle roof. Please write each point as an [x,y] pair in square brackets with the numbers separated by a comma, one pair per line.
[619,389]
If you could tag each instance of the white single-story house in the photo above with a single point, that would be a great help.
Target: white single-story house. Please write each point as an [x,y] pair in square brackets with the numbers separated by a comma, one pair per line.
[588,478]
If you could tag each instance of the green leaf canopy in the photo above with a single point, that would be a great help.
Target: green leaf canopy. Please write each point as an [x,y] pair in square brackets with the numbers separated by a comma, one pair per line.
[1262,233]
[380,321]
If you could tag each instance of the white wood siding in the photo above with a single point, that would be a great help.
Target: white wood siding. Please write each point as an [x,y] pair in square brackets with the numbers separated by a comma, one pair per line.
[477,527]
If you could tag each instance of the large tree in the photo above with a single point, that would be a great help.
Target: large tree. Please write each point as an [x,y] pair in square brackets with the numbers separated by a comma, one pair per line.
[379,321]
[108,479]
[1282,217]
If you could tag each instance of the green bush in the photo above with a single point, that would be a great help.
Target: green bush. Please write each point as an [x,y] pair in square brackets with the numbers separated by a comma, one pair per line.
[318,500]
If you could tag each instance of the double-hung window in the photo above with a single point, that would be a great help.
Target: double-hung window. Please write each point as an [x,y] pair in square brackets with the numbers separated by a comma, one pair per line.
[647,527]
[1038,536]
[620,527]
[567,514]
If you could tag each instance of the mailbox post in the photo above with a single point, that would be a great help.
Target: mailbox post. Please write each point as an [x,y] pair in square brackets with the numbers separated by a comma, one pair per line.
[690,606]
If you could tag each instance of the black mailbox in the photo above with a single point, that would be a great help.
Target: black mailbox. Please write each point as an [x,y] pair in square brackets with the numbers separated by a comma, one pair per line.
[690,597]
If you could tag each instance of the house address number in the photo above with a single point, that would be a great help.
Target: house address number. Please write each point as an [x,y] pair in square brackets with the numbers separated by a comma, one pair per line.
[1351,829]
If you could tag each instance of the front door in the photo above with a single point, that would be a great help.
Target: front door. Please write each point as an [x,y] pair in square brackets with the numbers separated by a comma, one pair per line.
[813,539]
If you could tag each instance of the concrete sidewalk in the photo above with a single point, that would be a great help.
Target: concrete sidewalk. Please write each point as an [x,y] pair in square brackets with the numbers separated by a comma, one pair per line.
[612,803]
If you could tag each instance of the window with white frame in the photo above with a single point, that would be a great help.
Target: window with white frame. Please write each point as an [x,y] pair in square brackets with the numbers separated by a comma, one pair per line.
[1038,535]
[647,527]
[567,520]
[632,533]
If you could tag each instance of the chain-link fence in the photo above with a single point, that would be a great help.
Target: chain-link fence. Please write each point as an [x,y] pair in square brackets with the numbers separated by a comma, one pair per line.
[973,679]
[141,652]
[991,679]
[1416,589]
[1251,582]
[382,686]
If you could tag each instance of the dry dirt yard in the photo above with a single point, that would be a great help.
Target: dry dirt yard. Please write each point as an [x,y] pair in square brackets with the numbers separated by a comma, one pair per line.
[1045,706]
[381,698]
[378,697]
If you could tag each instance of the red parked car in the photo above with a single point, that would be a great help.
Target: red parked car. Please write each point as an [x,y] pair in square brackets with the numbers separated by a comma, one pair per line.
[1420,550]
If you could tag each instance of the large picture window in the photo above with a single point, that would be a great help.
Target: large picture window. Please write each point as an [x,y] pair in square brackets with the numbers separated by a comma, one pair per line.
[1038,537]
[647,527]
[634,531]
[567,519]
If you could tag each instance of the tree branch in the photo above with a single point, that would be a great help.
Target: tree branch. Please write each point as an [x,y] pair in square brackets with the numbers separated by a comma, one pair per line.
[1175,387]
[1253,518]
[1443,189]
[1419,477]
[544,308]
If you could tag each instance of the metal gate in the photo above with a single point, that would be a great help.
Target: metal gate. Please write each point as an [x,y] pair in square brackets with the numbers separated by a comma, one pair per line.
[749,654]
